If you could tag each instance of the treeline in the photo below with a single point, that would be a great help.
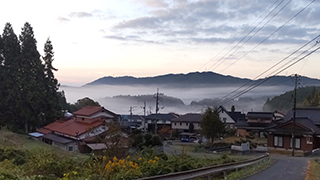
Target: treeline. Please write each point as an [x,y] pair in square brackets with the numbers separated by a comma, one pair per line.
[306,97]
[29,96]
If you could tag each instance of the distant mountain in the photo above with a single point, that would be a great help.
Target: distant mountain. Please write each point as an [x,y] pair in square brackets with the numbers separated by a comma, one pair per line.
[284,102]
[200,79]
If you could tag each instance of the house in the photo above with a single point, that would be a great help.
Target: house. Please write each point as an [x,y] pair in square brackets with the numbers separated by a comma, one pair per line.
[133,122]
[159,121]
[306,128]
[255,121]
[182,123]
[229,118]
[87,122]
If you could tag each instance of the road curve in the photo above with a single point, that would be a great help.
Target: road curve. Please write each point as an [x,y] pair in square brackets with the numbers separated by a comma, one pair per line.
[285,168]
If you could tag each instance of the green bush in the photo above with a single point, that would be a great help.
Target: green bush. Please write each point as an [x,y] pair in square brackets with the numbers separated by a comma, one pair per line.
[18,156]
[49,164]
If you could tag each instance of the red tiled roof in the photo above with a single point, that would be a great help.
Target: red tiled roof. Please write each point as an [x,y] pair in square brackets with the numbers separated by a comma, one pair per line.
[91,110]
[44,131]
[88,110]
[72,127]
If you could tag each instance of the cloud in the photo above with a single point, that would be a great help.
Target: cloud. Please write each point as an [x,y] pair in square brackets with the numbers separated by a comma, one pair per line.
[115,38]
[131,38]
[210,21]
[80,14]
[155,3]
[142,22]
[62,19]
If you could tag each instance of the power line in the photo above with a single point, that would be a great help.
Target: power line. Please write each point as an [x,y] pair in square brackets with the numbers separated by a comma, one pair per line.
[243,33]
[244,85]
[224,57]
[267,78]
[270,35]
[238,47]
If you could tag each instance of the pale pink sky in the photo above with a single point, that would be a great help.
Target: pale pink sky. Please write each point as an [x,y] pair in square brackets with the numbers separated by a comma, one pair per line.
[142,38]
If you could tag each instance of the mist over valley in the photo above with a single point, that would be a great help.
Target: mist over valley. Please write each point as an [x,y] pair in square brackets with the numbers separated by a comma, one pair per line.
[184,93]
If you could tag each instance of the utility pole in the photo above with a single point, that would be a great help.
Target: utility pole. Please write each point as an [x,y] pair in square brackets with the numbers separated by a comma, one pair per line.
[157,108]
[294,112]
[144,115]
[131,109]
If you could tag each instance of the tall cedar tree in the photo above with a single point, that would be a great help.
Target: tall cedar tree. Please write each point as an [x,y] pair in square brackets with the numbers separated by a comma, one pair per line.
[1,81]
[52,109]
[211,124]
[9,88]
[32,80]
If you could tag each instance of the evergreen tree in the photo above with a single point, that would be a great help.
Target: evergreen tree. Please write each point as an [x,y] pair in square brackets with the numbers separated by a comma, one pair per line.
[29,96]
[9,77]
[313,99]
[1,51]
[32,80]
[211,124]
[54,99]
[81,103]
[191,127]
[1,80]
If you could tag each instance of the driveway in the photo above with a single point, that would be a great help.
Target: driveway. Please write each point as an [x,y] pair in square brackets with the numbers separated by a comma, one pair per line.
[285,168]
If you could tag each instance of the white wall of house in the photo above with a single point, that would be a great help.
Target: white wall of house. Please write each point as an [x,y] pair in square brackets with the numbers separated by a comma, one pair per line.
[225,118]
[68,147]
[94,132]
[184,125]
[99,114]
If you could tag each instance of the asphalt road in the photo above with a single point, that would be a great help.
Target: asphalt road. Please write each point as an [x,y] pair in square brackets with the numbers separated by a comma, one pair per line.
[285,168]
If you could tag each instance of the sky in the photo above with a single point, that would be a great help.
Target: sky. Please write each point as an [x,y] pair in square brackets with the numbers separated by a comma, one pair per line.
[144,38]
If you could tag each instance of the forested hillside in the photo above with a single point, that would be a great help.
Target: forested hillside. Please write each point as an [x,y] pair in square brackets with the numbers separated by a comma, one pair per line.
[29,95]
[306,97]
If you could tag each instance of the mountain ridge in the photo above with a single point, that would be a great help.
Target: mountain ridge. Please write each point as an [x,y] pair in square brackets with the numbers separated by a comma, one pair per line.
[199,78]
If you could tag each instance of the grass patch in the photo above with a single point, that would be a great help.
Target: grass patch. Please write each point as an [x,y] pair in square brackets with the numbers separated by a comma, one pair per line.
[250,170]
[313,172]
[24,158]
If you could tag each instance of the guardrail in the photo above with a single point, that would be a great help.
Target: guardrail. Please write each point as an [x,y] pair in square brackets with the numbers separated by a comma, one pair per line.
[206,171]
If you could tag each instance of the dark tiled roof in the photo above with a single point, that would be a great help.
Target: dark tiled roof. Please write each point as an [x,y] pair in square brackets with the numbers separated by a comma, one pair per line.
[189,118]
[264,115]
[57,138]
[243,124]
[161,116]
[308,127]
[132,117]
[311,113]
[236,115]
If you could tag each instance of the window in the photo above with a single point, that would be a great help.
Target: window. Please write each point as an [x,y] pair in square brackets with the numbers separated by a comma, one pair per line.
[175,124]
[70,148]
[187,124]
[278,141]
[297,143]
[181,124]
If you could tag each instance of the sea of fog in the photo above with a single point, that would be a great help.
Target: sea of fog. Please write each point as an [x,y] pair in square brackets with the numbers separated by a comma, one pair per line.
[187,95]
